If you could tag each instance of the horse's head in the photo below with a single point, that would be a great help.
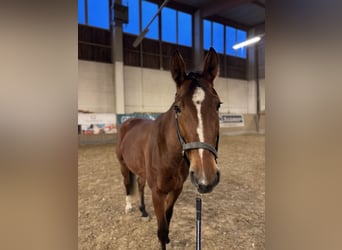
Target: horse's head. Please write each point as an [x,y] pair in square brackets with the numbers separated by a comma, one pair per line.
[197,119]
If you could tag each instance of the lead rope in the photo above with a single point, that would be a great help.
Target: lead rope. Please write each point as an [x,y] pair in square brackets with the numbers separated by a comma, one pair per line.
[198,221]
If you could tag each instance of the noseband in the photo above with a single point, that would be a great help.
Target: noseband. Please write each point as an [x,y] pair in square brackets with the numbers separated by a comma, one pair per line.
[193,145]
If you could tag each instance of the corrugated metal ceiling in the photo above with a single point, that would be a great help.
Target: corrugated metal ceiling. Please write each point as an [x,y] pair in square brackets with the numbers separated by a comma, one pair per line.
[248,13]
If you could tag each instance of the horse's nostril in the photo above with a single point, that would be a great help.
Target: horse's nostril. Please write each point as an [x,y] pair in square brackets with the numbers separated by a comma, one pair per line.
[192,175]
[193,179]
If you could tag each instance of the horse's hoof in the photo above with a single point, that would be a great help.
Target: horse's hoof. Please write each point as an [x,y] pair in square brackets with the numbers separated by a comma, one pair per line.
[128,209]
[145,218]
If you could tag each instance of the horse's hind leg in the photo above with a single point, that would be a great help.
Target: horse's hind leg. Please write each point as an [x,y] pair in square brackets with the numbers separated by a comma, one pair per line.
[129,183]
[141,185]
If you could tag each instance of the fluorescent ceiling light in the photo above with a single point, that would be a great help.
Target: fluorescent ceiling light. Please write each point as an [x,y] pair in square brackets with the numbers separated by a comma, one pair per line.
[247,42]
[138,40]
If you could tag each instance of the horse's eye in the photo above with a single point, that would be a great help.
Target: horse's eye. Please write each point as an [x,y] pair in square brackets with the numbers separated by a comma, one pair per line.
[177,109]
[218,105]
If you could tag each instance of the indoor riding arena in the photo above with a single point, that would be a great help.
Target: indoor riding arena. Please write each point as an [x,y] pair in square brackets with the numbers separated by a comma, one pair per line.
[126,69]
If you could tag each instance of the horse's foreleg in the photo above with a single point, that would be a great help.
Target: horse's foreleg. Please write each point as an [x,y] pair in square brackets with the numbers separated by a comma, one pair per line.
[141,185]
[171,200]
[159,209]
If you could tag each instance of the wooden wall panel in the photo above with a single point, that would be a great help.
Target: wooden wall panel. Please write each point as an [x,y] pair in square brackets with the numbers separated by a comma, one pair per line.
[94,44]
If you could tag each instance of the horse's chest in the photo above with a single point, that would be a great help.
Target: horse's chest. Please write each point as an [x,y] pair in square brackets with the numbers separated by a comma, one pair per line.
[171,179]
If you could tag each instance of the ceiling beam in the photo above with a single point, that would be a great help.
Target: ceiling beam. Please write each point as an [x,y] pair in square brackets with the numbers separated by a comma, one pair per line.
[259,3]
[219,6]
[229,22]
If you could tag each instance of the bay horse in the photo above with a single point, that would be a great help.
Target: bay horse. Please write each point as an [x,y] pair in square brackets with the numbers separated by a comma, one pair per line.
[180,142]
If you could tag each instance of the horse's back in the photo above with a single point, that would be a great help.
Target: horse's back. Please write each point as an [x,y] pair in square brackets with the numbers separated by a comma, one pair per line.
[133,137]
[128,125]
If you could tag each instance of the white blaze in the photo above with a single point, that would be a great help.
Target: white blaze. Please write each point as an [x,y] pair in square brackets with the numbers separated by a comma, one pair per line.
[198,98]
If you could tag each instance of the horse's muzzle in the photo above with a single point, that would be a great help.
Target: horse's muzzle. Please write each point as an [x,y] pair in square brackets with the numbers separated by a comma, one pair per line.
[204,188]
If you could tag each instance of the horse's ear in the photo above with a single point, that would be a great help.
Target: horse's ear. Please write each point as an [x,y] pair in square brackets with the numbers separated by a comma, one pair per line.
[177,68]
[211,66]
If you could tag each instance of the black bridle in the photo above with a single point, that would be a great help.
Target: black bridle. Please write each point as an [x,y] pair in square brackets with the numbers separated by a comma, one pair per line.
[193,145]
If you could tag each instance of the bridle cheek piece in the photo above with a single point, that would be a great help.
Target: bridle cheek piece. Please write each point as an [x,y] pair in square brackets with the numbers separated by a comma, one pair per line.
[193,145]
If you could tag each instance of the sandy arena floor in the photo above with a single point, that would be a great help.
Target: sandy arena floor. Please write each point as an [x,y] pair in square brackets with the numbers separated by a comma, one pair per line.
[233,215]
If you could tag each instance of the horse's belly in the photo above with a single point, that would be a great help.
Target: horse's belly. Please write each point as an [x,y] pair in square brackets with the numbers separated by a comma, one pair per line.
[133,147]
